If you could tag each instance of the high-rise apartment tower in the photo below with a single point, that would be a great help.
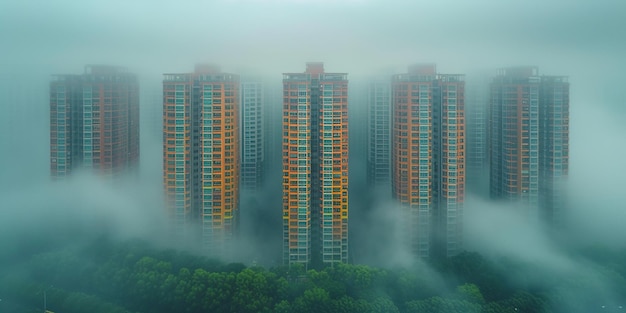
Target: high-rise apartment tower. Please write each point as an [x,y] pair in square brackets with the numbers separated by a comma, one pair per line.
[201,157]
[428,158]
[529,140]
[315,166]
[94,122]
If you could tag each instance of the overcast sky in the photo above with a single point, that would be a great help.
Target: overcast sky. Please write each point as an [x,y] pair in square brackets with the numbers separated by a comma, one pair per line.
[279,35]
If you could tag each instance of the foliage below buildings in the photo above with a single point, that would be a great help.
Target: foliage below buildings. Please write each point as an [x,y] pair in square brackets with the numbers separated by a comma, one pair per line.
[114,277]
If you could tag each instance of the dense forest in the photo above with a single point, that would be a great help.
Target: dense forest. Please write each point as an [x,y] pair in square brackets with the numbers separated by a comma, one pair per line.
[132,276]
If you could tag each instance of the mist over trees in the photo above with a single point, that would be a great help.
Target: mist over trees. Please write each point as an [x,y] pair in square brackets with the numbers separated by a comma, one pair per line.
[104,275]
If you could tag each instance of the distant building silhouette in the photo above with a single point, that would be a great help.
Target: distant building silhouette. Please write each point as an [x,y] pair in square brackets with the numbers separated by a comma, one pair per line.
[315,166]
[252,134]
[529,140]
[94,122]
[476,117]
[379,134]
[428,158]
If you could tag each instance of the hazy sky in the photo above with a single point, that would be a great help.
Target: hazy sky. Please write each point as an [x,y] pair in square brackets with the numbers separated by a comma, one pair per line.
[279,35]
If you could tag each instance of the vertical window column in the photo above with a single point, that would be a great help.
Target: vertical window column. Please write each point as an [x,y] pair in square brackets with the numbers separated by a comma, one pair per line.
[87,127]
[327,172]
[179,157]
[61,131]
[533,136]
[207,163]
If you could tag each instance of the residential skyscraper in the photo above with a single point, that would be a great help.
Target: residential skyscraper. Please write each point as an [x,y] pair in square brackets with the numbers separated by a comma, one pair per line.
[514,124]
[201,158]
[378,134]
[553,148]
[94,122]
[529,140]
[428,158]
[252,134]
[315,166]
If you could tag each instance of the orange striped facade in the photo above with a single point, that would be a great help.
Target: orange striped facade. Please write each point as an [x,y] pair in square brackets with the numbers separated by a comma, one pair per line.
[315,166]
[201,155]
[428,158]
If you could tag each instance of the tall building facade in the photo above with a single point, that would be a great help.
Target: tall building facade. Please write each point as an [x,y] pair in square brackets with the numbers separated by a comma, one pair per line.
[553,148]
[273,125]
[428,158]
[252,134]
[476,110]
[378,134]
[94,122]
[315,166]
[529,140]
[201,156]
